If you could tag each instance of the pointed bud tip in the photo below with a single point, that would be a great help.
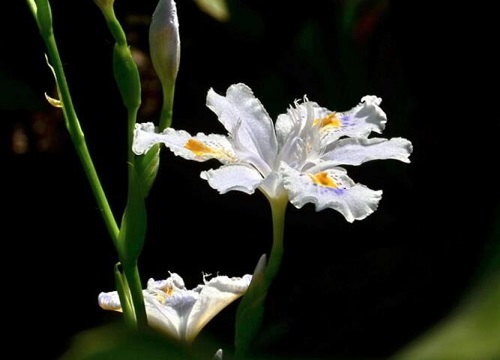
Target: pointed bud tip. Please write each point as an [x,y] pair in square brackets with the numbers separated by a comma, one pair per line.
[261,266]
[164,42]
[218,355]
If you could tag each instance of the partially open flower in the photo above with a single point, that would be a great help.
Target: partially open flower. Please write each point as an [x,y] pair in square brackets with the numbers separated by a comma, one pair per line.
[179,312]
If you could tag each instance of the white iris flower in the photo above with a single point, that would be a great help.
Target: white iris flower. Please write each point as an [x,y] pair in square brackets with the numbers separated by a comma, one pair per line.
[298,158]
[179,312]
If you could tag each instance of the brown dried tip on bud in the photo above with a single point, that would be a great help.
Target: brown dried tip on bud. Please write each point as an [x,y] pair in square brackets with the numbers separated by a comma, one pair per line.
[52,101]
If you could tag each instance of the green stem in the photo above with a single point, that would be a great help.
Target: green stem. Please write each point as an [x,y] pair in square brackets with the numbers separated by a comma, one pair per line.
[128,282]
[78,138]
[131,269]
[131,120]
[125,296]
[131,272]
[127,78]
[115,27]
[250,313]
[167,107]
[278,210]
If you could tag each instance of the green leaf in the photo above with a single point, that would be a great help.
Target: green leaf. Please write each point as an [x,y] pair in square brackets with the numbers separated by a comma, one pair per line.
[147,168]
[124,294]
[251,310]
[471,332]
[120,342]
[134,221]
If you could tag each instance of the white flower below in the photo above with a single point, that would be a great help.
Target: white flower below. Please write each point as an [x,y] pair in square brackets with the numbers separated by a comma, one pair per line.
[179,312]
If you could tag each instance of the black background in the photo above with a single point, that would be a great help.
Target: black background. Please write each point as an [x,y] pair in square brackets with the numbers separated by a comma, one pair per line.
[361,290]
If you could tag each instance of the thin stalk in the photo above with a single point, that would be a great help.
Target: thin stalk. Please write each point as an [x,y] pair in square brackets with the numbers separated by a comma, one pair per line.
[125,296]
[131,272]
[250,313]
[78,138]
[278,210]
[167,107]
[132,103]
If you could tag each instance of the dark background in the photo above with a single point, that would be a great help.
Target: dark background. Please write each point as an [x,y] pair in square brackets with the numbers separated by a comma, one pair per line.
[361,290]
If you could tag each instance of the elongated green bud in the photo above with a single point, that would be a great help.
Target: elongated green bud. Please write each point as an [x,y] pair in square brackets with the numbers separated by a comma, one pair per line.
[165,51]
[127,76]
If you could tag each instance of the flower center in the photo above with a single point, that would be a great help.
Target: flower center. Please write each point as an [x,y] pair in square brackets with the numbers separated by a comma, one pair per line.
[322,178]
[164,293]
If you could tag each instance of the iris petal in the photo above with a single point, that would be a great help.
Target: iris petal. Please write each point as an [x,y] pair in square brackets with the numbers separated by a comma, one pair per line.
[233,177]
[246,120]
[330,189]
[356,151]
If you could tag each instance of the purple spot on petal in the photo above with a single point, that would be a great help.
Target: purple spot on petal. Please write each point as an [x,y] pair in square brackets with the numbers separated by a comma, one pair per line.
[338,191]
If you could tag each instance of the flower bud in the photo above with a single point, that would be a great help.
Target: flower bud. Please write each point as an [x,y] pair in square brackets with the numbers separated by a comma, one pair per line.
[127,76]
[164,47]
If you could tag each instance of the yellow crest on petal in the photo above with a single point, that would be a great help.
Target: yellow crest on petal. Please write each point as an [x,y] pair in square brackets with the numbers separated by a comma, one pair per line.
[330,120]
[323,179]
[198,148]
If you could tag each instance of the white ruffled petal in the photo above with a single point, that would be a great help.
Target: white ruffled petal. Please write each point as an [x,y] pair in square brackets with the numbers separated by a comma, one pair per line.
[167,315]
[199,148]
[173,282]
[244,117]
[355,151]
[331,188]
[109,301]
[215,295]
[233,177]
[360,121]
[144,138]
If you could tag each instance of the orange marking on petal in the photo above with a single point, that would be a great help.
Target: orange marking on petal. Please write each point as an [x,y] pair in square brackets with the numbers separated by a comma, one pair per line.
[167,291]
[197,147]
[330,120]
[323,179]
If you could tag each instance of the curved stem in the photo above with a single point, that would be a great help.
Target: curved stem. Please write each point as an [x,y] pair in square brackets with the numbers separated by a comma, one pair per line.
[78,138]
